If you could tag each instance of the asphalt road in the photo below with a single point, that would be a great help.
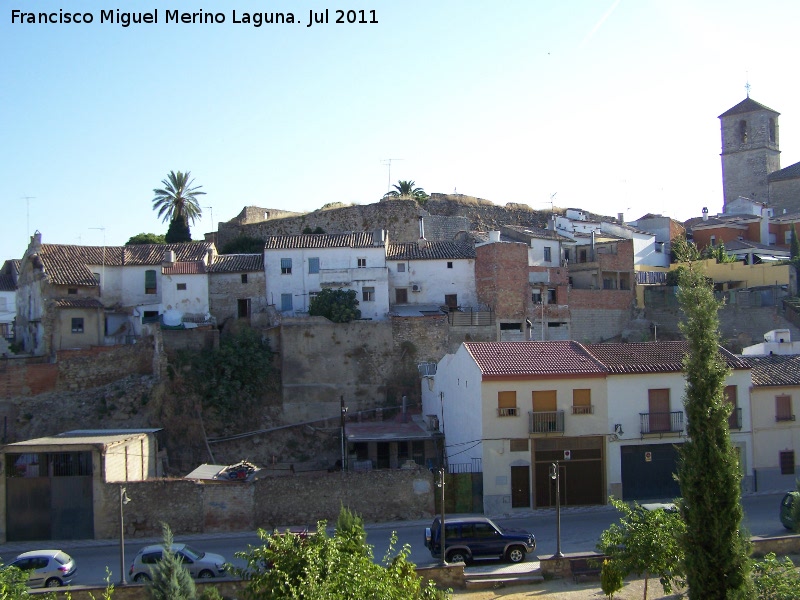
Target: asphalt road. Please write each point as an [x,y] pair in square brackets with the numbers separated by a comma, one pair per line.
[580,530]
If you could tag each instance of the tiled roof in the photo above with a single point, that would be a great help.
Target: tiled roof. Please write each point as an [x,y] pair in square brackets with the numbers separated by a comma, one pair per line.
[745,106]
[431,251]
[790,172]
[7,283]
[185,268]
[775,369]
[78,303]
[237,263]
[739,221]
[68,265]
[361,239]
[533,358]
[651,357]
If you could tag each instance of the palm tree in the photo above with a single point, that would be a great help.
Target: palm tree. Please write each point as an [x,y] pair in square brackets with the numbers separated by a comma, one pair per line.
[406,189]
[178,198]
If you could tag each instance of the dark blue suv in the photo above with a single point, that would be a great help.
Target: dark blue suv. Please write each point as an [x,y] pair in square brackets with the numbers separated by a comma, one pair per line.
[477,537]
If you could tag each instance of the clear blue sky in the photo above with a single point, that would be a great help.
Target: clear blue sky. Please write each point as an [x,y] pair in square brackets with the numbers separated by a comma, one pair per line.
[610,104]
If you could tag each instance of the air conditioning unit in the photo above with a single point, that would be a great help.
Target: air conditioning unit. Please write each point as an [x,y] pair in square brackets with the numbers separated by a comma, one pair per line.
[415,287]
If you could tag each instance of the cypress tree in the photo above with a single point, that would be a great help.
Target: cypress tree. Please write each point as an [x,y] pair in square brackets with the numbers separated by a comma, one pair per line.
[178,231]
[171,580]
[716,553]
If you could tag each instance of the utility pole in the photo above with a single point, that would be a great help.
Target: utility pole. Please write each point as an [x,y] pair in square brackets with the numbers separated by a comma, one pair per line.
[344,434]
[123,500]
[556,476]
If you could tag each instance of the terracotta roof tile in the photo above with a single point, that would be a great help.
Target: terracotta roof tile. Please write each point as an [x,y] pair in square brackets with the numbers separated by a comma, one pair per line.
[651,357]
[7,283]
[533,358]
[69,265]
[433,250]
[775,369]
[78,303]
[362,239]
[237,263]
[185,268]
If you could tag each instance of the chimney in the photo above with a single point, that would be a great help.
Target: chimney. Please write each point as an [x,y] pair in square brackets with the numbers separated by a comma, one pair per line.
[621,218]
[705,213]
[378,237]
[169,257]
[494,236]
[421,228]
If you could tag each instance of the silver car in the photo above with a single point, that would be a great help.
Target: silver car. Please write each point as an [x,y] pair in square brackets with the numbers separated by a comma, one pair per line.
[199,564]
[46,568]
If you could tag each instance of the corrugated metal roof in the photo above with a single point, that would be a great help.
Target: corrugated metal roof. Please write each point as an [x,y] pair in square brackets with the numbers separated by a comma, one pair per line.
[533,358]
[237,263]
[432,250]
[74,439]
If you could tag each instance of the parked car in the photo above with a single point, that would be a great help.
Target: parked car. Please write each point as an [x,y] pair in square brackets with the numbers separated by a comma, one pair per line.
[787,509]
[199,564]
[46,568]
[469,537]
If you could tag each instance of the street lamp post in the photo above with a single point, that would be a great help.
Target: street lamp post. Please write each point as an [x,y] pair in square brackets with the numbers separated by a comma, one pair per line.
[556,476]
[440,484]
[123,500]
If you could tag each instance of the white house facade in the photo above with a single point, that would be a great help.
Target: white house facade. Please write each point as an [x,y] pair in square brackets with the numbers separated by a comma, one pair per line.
[297,267]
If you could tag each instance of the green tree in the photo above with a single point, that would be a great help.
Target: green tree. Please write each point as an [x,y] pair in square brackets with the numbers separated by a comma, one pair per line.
[776,579]
[644,542]
[178,231]
[170,579]
[146,238]
[682,250]
[718,253]
[243,244]
[178,198]
[339,306]
[13,583]
[318,567]
[407,189]
[716,551]
[794,250]
[232,379]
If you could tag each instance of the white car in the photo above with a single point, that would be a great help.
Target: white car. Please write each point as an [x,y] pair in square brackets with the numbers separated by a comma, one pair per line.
[199,564]
[46,568]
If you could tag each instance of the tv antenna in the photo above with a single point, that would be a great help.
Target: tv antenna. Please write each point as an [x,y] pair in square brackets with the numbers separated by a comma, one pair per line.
[211,208]
[552,199]
[28,213]
[388,163]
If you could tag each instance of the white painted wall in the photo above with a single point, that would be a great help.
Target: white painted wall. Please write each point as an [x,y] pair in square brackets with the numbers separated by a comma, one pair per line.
[338,267]
[771,437]
[192,300]
[628,397]
[434,280]
[536,253]
[454,395]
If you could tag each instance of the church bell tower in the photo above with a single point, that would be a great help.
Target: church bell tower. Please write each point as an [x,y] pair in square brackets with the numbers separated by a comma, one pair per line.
[750,150]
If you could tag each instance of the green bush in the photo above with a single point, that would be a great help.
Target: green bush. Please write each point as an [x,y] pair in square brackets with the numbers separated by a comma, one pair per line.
[776,579]
[171,580]
[318,567]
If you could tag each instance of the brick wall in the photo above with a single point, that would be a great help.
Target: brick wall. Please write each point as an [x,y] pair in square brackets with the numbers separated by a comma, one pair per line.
[501,278]
[207,507]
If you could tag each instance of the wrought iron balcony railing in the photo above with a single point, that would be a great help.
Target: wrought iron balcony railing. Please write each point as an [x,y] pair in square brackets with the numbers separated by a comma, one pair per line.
[546,421]
[661,422]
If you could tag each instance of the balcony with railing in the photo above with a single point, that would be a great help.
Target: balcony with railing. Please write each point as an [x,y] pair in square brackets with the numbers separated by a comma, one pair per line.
[587,409]
[546,421]
[735,420]
[509,411]
[661,422]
